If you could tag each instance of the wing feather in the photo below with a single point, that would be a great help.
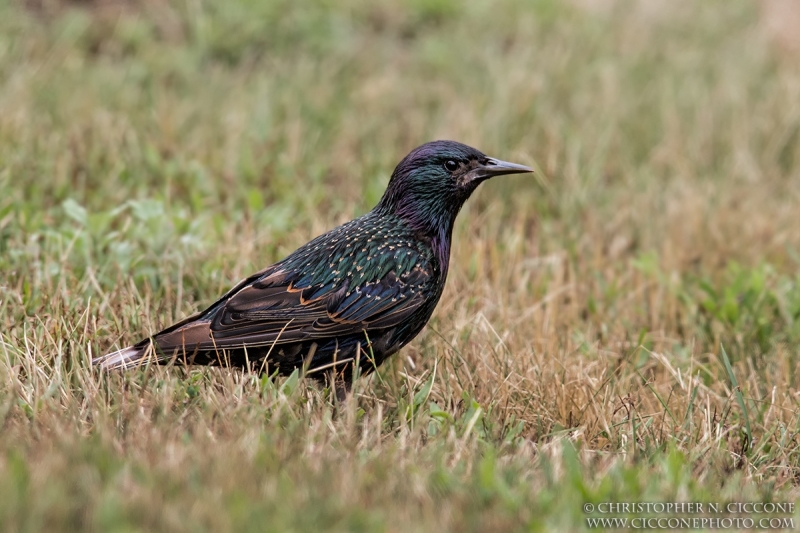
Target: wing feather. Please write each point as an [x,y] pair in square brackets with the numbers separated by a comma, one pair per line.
[273,310]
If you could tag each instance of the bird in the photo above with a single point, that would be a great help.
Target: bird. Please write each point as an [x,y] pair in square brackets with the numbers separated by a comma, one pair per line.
[347,299]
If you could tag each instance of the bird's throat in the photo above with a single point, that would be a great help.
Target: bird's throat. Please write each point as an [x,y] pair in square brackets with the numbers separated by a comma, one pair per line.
[441,250]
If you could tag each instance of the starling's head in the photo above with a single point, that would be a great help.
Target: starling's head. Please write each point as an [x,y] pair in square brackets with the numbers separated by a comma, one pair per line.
[430,184]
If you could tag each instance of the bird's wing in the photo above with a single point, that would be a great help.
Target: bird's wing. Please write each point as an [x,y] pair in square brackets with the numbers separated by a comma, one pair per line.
[274,311]
[280,306]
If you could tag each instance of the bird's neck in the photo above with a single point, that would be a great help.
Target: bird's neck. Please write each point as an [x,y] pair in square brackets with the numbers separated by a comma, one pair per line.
[434,228]
[429,215]
[441,249]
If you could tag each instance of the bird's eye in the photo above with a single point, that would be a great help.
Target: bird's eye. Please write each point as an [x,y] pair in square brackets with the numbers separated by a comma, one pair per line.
[450,165]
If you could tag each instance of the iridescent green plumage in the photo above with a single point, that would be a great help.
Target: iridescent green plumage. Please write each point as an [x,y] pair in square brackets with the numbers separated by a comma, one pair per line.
[350,297]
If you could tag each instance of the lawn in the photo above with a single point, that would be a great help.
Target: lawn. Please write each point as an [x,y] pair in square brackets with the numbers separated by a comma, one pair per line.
[621,326]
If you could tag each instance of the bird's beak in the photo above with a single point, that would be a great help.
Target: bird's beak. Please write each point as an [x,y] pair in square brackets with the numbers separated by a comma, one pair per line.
[495,167]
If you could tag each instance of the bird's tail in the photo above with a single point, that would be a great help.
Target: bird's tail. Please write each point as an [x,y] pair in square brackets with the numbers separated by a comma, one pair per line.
[125,358]
[184,338]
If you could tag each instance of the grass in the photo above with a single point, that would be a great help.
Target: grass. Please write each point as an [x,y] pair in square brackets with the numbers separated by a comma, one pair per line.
[624,326]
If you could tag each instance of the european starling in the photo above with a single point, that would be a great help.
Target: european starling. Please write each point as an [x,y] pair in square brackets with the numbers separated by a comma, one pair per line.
[351,297]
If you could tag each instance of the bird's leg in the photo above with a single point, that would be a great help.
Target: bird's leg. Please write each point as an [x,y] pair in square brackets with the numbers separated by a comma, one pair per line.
[340,385]
[342,390]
